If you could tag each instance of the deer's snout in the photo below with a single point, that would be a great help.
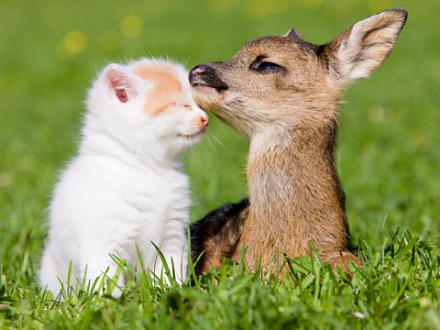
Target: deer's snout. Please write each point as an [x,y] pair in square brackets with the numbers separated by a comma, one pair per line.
[197,70]
[206,76]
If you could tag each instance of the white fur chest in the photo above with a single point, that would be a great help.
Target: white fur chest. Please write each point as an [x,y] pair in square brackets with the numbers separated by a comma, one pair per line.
[104,205]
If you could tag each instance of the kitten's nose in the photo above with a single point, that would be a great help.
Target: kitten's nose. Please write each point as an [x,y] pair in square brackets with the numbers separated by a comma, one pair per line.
[205,120]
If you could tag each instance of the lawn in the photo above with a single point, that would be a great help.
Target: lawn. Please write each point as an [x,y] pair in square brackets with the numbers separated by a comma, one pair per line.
[388,161]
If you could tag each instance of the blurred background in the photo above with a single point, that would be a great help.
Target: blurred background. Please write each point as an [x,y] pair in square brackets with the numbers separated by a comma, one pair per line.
[389,143]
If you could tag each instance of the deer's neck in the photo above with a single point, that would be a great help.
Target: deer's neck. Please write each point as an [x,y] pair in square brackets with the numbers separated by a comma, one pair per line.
[295,194]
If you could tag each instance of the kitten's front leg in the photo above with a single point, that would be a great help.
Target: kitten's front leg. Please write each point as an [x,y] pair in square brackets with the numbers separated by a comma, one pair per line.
[52,272]
[97,266]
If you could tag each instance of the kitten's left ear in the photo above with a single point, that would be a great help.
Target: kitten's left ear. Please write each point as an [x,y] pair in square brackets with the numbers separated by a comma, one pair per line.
[121,83]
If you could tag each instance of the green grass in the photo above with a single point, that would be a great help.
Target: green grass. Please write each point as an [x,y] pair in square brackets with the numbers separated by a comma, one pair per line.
[388,162]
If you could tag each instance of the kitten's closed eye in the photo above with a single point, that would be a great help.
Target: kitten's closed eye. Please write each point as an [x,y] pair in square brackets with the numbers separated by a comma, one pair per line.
[187,106]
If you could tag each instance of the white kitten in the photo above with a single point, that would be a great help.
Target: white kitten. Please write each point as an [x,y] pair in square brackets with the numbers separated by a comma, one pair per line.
[126,186]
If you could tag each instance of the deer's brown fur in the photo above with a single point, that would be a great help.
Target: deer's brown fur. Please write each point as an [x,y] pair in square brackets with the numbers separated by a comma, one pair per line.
[283,94]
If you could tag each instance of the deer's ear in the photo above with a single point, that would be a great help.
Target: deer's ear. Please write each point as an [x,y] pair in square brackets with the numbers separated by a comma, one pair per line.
[121,83]
[295,35]
[359,51]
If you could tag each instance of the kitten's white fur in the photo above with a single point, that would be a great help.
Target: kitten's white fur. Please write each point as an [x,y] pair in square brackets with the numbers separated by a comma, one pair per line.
[126,186]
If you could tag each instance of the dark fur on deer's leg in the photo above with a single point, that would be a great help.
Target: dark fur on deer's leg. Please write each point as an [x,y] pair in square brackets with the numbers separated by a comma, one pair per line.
[217,235]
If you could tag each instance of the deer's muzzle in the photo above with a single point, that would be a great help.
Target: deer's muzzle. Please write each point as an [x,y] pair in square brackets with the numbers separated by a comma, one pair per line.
[205,75]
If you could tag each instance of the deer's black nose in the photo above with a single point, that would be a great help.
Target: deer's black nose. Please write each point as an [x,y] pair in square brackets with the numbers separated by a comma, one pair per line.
[206,75]
[198,69]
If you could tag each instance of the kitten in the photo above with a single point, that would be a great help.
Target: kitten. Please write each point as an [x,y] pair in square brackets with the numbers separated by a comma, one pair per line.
[126,186]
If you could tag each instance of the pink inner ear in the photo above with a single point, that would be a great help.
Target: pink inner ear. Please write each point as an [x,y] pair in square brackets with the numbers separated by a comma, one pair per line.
[122,95]
[119,84]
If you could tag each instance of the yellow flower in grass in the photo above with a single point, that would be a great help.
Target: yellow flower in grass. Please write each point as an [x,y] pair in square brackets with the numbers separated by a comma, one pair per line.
[131,26]
[72,43]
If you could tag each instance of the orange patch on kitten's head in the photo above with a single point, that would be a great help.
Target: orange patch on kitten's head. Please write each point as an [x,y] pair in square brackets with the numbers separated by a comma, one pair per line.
[167,87]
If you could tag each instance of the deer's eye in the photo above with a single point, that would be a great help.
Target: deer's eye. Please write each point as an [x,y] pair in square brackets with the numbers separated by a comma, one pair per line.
[266,66]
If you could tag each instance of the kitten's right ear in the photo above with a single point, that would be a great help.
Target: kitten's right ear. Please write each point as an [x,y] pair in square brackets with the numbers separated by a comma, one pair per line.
[121,83]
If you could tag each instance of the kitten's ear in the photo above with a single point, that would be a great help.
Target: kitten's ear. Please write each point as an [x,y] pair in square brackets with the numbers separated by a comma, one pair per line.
[359,51]
[121,83]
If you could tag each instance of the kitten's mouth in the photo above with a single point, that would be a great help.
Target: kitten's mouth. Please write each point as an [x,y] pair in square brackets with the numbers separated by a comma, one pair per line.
[197,134]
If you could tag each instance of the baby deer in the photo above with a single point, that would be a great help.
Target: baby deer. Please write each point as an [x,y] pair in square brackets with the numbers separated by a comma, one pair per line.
[283,94]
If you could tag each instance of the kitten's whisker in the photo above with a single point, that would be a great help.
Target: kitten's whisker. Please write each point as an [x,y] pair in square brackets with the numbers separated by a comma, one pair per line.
[203,148]
[212,145]
[189,57]
[222,144]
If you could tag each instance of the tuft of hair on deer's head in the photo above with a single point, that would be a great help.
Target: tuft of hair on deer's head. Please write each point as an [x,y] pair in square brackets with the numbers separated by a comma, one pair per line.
[282,82]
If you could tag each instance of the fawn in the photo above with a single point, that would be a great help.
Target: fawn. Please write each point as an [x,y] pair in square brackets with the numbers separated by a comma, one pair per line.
[283,94]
